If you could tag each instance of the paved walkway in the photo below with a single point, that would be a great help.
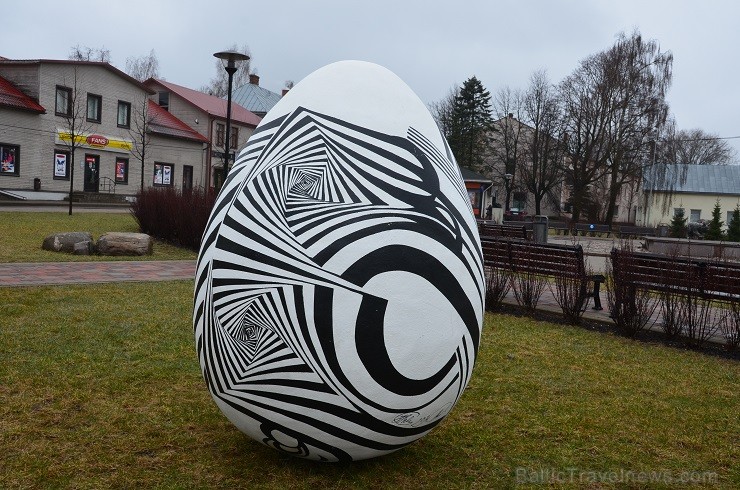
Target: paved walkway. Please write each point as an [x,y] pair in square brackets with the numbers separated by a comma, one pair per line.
[57,273]
[49,273]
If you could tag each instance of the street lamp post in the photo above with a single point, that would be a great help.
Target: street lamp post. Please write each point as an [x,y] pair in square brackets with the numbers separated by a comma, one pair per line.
[229,59]
[508,178]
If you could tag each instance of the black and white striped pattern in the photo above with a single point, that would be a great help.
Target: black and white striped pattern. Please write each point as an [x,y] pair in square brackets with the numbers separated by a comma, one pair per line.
[339,291]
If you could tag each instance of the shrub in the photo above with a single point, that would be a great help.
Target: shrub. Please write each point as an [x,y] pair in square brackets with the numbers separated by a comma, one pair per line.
[570,294]
[498,284]
[631,308]
[174,216]
[731,325]
[733,227]
[528,287]
[678,228]
[714,229]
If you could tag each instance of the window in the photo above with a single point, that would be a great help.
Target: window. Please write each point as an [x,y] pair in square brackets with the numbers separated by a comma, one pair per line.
[63,101]
[163,174]
[94,107]
[220,134]
[695,215]
[164,100]
[729,217]
[519,200]
[10,156]
[234,138]
[124,114]
[61,165]
[121,170]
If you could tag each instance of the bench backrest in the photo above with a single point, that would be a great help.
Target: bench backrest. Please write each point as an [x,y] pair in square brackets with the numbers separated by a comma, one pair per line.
[502,230]
[599,228]
[661,272]
[540,258]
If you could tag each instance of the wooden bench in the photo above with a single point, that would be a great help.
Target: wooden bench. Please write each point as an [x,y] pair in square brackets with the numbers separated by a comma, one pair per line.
[708,279]
[542,258]
[486,230]
[626,231]
[558,226]
[592,228]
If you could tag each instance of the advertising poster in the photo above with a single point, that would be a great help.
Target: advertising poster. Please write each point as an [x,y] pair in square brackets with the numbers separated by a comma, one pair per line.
[60,165]
[158,174]
[120,171]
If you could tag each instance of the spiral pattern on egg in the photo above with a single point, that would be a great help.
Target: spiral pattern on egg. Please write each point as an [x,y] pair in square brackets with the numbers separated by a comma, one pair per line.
[339,288]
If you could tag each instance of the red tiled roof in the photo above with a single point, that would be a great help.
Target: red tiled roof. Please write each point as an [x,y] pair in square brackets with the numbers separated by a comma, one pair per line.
[11,96]
[164,123]
[211,104]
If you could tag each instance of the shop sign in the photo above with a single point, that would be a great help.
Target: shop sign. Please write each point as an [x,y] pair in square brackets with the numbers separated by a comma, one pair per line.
[97,141]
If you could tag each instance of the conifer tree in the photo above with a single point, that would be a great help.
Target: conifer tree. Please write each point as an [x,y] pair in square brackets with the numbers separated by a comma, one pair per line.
[678,228]
[470,121]
[714,231]
[733,227]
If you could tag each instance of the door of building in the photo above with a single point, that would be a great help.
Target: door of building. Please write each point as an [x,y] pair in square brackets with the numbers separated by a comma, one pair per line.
[187,177]
[92,173]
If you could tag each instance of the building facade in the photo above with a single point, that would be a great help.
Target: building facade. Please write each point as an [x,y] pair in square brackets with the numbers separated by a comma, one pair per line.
[84,125]
[695,189]
[206,114]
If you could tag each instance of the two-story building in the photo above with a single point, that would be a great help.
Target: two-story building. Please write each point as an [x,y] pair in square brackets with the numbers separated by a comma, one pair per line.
[50,107]
[206,114]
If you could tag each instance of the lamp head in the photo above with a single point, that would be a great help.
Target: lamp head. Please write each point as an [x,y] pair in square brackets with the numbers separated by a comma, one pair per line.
[229,58]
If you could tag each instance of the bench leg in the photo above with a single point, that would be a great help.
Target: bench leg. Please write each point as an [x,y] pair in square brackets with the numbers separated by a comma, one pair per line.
[597,299]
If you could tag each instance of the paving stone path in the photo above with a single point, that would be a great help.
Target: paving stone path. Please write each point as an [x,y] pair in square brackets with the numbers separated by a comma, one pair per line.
[50,273]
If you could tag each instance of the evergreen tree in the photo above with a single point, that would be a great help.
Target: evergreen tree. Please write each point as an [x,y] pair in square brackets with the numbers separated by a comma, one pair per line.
[733,227]
[714,231]
[678,228]
[469,124]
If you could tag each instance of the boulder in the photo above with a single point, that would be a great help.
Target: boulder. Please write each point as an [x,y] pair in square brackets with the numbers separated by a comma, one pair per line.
[116,243]
[65,242]
[83,248]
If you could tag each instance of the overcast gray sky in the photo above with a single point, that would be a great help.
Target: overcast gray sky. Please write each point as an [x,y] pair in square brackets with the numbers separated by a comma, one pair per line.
[432,45]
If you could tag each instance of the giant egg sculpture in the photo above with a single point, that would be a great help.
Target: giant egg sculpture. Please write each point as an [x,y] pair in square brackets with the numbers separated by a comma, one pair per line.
[339,288]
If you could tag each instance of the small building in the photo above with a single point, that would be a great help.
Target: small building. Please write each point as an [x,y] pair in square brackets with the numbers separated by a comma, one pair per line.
[694,188]
[479,191]
[44,103]
[255,98]
[206,114]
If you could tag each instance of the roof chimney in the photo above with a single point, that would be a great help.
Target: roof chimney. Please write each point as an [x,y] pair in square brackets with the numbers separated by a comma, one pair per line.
[254,79]
[285,91]
[511,115]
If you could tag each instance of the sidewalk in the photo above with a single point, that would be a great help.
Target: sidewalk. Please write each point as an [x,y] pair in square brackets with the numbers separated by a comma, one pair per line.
[59,273]
[51,273]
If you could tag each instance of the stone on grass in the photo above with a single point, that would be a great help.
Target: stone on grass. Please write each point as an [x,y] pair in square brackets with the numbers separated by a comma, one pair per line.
[116,243]
[83,248]
[65,242]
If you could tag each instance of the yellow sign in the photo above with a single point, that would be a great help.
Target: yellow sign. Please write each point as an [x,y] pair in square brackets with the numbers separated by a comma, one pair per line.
[95,141]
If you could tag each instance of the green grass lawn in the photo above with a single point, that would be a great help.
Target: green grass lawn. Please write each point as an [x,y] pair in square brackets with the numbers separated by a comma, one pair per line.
[21,235]
[100,387]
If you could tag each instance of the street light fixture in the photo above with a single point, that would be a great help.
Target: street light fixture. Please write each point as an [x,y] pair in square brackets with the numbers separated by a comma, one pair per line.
[229,59]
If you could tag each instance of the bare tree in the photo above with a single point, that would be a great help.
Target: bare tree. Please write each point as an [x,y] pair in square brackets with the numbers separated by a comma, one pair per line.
[143,67]
[140,132]
[695,147]
[219,84]
[641,76]
[544,152]
[442,111]
[506,145]
[587,110]
[86,53]
[72,107]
